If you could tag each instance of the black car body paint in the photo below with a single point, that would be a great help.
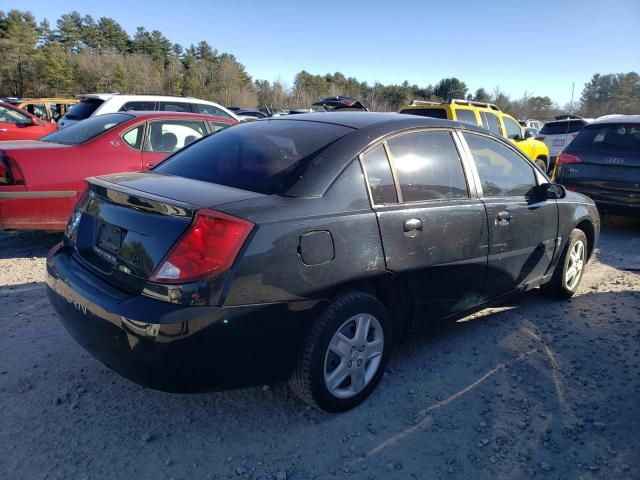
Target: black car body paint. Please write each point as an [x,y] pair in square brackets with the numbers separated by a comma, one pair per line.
[320,237]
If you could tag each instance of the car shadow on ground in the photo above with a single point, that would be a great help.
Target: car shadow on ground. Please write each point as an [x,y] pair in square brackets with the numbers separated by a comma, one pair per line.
[27,244]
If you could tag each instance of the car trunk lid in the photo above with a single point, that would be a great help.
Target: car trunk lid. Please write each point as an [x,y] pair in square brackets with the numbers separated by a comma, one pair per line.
[127,223]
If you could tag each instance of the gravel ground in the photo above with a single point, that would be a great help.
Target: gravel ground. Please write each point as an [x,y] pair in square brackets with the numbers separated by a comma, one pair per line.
[535,388]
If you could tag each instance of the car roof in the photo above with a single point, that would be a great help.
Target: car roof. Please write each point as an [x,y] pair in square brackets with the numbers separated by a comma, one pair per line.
[366,129]
[164,114]
[363,120]
[107,96]
[617,118]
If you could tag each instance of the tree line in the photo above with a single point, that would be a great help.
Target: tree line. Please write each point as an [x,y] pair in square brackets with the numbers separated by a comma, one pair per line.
[82,54]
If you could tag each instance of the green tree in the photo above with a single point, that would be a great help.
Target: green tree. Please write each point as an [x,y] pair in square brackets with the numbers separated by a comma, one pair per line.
[18,40]
[53,68]
[481,95]
[70,31]
[449,88]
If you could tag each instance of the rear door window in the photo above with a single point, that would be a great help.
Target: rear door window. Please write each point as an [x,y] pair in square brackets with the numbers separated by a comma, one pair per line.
[210,110]
[217,126]
[168,136]
[174,107]
[620,137]
[466,116]
[428,166]
[503,173]
[490,121]
[427,112]
[84,109]
[379,176]
[140,106]
[264,157]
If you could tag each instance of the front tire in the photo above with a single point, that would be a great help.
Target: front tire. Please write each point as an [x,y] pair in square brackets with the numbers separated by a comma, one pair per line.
[345,355]
[570,268]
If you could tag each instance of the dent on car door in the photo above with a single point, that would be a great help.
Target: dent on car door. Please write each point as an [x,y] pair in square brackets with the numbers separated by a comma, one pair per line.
[433,232]
[523,225]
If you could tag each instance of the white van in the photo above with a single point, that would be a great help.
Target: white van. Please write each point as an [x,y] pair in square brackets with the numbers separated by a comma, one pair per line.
[100,103]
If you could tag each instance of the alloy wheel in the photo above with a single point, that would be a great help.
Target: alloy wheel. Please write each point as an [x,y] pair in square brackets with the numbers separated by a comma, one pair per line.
[353,355]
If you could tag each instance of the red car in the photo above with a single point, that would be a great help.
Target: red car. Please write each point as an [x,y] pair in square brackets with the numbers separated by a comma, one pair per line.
[41,181]
[16,124]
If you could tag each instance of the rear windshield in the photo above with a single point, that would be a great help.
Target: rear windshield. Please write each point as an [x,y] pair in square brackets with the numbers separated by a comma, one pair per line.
[86,130]
[84,109]
[623,137]
[264,156]
[562,128]
[427,112]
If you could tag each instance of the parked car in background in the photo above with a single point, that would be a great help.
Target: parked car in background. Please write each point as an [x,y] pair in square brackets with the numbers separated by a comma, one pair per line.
[557,134]
[531,132]
[41,181]
[16,124]
[302,247]
[535,124]
[48,109]
[486,115]
[100,103]
[245,115]
[339,103]
[603,162]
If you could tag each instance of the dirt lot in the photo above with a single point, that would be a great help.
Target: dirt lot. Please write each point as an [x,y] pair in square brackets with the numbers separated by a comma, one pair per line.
[536,388]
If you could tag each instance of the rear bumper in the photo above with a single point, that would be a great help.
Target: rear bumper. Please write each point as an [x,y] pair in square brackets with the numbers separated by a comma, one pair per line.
[610,200]
[173,347]
[608,195]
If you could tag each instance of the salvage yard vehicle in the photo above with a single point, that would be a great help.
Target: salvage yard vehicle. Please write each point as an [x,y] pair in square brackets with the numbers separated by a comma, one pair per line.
[303,247]
[101,103]
[41,181]
[339,103]
[16,124]
[47,109]
[603,162]
[558,134]
[486,115]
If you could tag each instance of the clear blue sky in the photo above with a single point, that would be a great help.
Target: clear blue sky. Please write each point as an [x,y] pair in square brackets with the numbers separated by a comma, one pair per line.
[541,47]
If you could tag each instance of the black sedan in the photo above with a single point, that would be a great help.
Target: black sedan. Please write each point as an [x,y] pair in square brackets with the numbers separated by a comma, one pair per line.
[603,162]
[302,247]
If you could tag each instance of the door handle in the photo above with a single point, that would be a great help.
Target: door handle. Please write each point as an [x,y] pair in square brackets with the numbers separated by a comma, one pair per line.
[504,217]
[411,225]
[151,164]
[3,129]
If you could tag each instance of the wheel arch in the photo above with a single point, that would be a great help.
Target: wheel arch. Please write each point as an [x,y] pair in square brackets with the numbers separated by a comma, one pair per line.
[590,232]
[394,294]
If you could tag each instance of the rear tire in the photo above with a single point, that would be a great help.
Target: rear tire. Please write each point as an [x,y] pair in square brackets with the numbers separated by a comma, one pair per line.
[570,268]
[345,355]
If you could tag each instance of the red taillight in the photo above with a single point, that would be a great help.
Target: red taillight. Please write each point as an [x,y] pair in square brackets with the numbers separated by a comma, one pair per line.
[10,173]
[540,139]
[566,159]
[208,247]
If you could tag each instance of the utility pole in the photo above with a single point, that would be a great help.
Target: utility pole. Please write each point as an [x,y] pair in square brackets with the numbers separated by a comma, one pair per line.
[573,87]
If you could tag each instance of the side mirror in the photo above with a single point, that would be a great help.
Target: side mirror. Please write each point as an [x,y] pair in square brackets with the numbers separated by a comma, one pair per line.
[528,134]
[553,191]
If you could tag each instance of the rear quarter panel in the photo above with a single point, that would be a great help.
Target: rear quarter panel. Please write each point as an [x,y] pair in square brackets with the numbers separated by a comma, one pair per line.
[573,210]
[271,268]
